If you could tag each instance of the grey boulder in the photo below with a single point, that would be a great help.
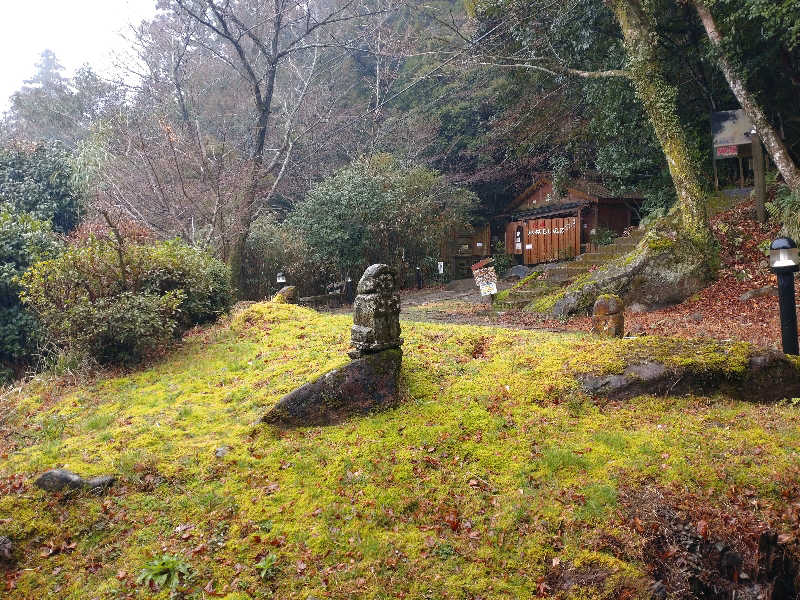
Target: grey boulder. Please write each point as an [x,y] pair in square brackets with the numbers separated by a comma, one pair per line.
[518,272]
[57,480]
[360,387]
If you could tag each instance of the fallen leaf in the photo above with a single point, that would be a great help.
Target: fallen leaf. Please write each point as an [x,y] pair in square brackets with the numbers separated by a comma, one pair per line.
[702,529]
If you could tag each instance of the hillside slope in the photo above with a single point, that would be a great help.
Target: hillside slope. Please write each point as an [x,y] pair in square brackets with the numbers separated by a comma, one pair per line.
[496,478]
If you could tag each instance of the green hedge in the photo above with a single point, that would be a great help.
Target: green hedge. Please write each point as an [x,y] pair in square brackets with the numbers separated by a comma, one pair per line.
[119,302]
[24,240]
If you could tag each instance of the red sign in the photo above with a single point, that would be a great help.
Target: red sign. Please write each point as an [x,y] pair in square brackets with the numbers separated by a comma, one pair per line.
[728,150]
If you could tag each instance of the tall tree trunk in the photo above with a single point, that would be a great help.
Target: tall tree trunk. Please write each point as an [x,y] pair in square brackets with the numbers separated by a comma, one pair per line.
[659,98]
[772,141]
[244,216]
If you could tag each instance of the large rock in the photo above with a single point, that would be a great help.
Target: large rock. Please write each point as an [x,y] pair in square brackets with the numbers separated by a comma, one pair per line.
[665,269]
[57,480]
[286,295]
[360,387]
[769,376]
[518,272]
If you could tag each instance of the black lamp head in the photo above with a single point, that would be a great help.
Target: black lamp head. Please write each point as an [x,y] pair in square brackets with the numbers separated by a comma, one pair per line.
[783,255]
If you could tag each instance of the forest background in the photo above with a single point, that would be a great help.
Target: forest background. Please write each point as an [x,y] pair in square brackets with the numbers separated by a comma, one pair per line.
[314,138]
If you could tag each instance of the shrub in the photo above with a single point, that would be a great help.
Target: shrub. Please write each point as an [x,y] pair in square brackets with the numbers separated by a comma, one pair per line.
[274,247]
[785,208]
[378,210]
[502,261]
[38,179]
[23,241]
[203,280]
[121,329]
[119,302]
[602,236]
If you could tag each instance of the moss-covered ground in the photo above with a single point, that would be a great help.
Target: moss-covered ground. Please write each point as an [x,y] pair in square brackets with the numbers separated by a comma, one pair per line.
[494,470]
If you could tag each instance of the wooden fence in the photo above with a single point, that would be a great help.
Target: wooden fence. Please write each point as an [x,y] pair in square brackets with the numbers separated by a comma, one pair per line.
[543,240]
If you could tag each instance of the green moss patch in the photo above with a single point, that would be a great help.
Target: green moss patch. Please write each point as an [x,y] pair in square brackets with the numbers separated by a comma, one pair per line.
[493,467]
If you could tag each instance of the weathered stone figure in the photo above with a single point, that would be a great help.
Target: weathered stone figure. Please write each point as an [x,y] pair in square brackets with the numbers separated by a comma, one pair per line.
[366,384]
[608,318]
[376,313]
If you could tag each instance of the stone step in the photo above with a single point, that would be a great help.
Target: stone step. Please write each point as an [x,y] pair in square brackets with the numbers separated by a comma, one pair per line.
[561,277]
[594,258]
[523,292]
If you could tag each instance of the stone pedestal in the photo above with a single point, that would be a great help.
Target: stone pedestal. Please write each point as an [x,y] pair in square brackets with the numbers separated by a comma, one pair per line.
[608,319]
[360,387]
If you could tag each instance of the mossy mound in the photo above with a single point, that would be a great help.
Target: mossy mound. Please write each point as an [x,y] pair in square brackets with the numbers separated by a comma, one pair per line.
[494,465]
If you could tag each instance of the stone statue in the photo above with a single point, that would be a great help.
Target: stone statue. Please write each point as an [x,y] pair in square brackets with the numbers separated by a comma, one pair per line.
[376,313]
[608,317]
[368,383]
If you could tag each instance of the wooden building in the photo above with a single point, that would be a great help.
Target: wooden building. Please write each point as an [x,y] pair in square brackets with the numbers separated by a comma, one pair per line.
[466,247]
[541,228]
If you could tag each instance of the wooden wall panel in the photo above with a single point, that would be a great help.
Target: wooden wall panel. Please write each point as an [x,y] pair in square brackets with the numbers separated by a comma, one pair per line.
[549,239]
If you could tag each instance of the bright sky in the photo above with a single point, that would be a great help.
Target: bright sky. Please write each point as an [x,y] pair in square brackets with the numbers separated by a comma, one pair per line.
[78,31]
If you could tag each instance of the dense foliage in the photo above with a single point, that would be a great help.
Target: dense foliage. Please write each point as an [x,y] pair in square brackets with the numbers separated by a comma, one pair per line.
[23,241]
[273,247]
[785,209]
[378,210]
[119,301]
[38,180]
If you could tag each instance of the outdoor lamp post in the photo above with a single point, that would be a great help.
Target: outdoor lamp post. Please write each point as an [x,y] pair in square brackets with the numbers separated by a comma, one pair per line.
[784,262]
[281,277]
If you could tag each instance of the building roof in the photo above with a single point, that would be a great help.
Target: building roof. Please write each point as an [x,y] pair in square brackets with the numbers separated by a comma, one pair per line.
[548,210]
[595,188]
[593,191]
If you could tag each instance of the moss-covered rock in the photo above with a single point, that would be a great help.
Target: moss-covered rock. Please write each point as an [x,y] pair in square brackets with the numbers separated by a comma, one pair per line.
[360,387]
[767,377]
[286,295]
[654,274]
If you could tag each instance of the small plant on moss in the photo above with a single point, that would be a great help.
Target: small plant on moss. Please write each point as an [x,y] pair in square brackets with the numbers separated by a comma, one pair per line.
[164,571]
[444,550]
[265,525]
[267,566]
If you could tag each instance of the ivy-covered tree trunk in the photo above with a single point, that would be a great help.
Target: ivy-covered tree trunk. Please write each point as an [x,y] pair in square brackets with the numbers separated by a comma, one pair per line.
[659,98]
[775,146]
[678,255]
